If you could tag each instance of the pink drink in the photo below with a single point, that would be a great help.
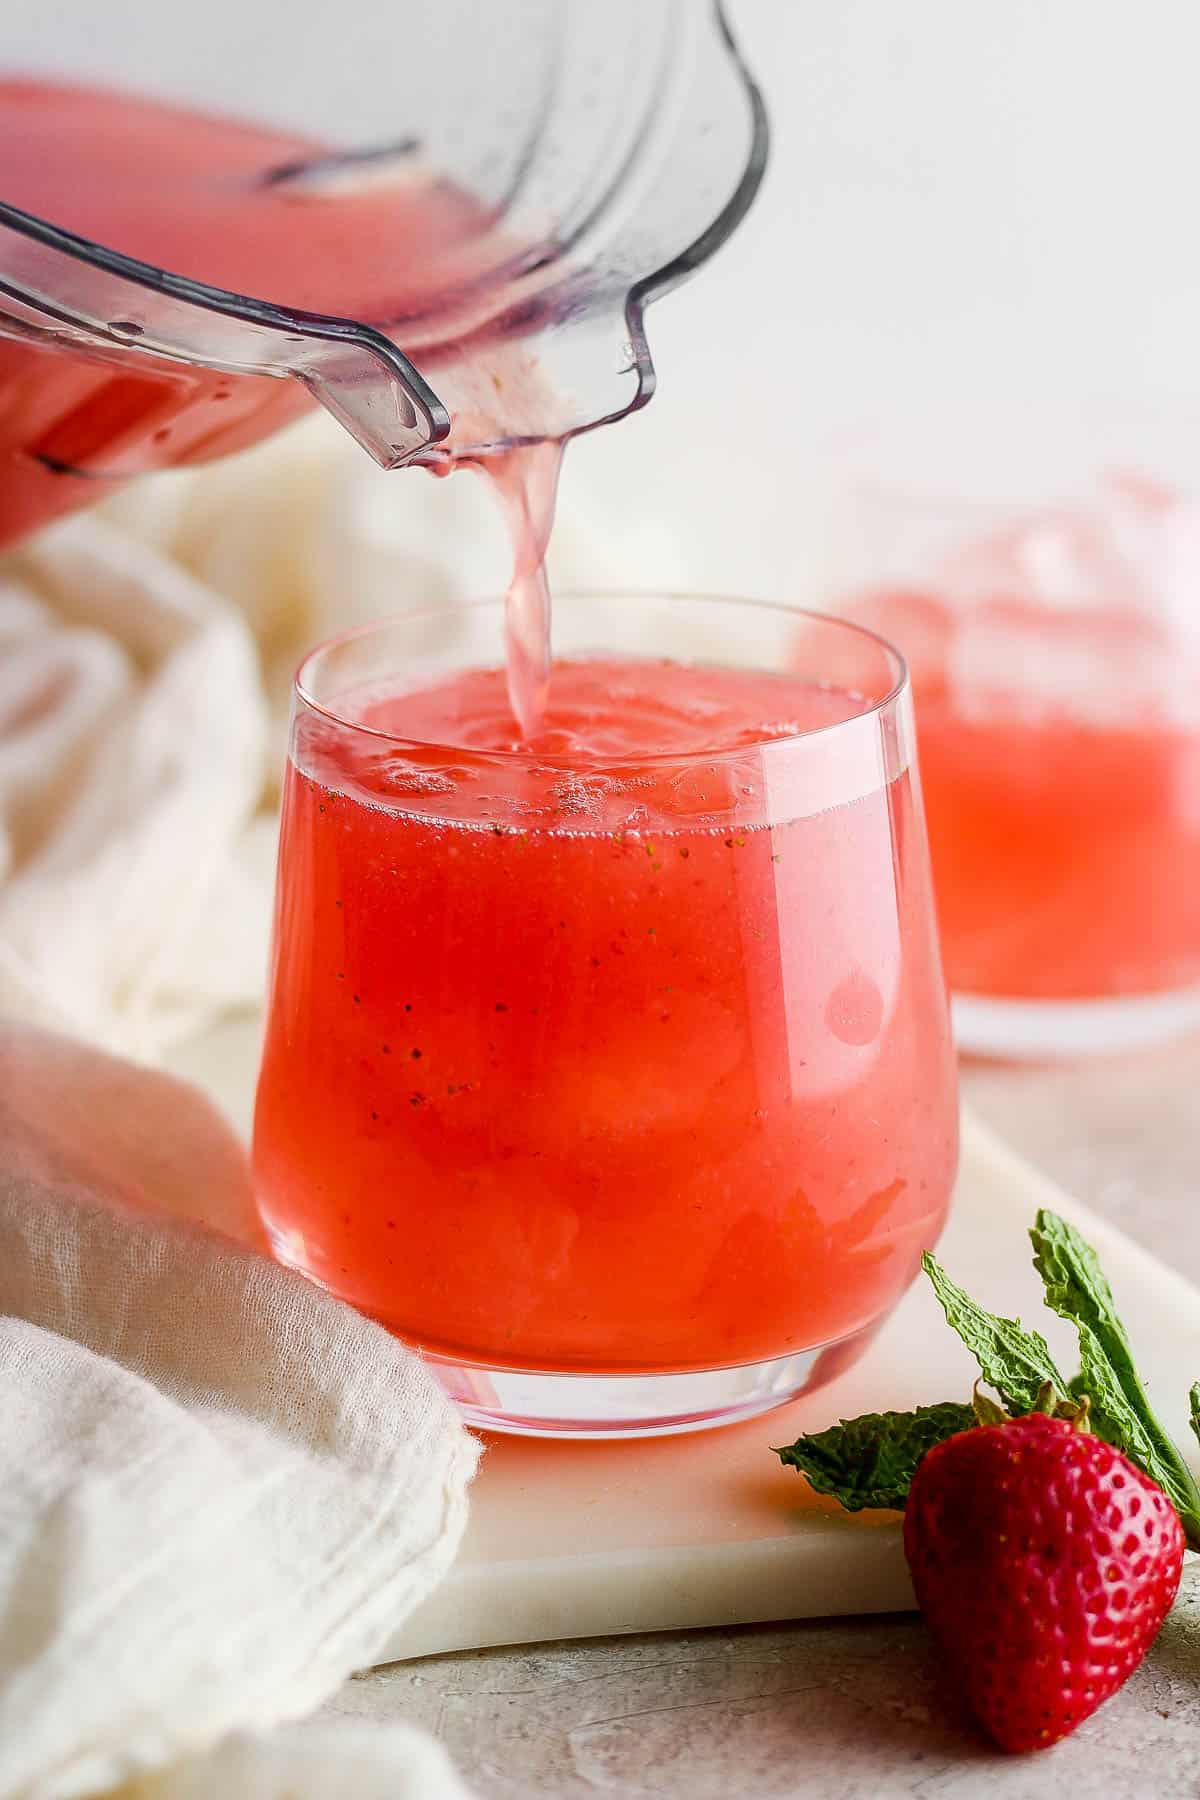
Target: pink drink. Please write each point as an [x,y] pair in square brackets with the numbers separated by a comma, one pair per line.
[239,207]
[1067,850]
[550,1090]
[210,198]
[1056,669]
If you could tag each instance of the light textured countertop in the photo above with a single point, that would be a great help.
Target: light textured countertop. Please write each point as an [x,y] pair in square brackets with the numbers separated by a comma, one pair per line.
[852,1708]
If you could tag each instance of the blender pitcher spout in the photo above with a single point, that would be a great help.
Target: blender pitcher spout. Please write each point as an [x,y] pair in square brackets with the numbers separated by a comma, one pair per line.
[372,390]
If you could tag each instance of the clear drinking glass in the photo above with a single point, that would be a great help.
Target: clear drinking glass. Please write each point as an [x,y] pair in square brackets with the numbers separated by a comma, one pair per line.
[1043,586]
[619,1084]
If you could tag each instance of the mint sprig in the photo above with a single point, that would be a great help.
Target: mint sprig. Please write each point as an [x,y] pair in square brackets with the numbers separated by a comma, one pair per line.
[1016,1362]
[1077,1290]
[870,1461]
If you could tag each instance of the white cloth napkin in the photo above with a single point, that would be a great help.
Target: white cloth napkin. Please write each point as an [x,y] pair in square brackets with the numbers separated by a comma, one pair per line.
[132,745]
[222,1489]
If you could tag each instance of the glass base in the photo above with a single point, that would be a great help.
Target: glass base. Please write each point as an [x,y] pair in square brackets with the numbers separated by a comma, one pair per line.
[1035,1029]
[552,1405]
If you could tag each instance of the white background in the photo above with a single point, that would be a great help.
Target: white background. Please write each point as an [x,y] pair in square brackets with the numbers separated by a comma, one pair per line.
[969,203]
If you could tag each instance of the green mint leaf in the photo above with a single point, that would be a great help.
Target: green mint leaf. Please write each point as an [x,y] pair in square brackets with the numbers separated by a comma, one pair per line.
[1110,1415]
[1194,1399]
[1016,1362]
[1077,1290]
[871,1461]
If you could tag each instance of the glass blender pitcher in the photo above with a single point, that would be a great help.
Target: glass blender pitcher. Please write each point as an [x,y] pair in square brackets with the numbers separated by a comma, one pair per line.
[442,223]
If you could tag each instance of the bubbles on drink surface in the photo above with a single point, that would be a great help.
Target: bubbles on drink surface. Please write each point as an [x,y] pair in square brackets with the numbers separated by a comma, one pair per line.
[623,745]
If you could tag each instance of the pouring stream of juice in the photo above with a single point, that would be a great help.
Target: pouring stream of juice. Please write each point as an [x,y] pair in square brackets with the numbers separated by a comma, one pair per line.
[525,479]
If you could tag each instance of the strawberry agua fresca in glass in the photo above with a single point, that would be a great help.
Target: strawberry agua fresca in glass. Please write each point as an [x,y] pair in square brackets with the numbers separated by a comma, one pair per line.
[611,1066]
[1055,659]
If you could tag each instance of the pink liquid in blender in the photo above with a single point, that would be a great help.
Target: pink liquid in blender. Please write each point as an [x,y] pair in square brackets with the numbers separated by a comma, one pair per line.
[222,202]
[249,210]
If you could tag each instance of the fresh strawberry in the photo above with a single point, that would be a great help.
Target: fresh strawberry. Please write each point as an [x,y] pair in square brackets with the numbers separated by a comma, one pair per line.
[1044,1563]
[1044,1558]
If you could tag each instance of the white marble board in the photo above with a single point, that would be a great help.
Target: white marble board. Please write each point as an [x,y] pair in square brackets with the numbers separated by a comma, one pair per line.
[578,1540]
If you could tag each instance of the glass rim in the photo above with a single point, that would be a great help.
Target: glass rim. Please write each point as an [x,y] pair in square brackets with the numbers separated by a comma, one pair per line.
[303,694]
